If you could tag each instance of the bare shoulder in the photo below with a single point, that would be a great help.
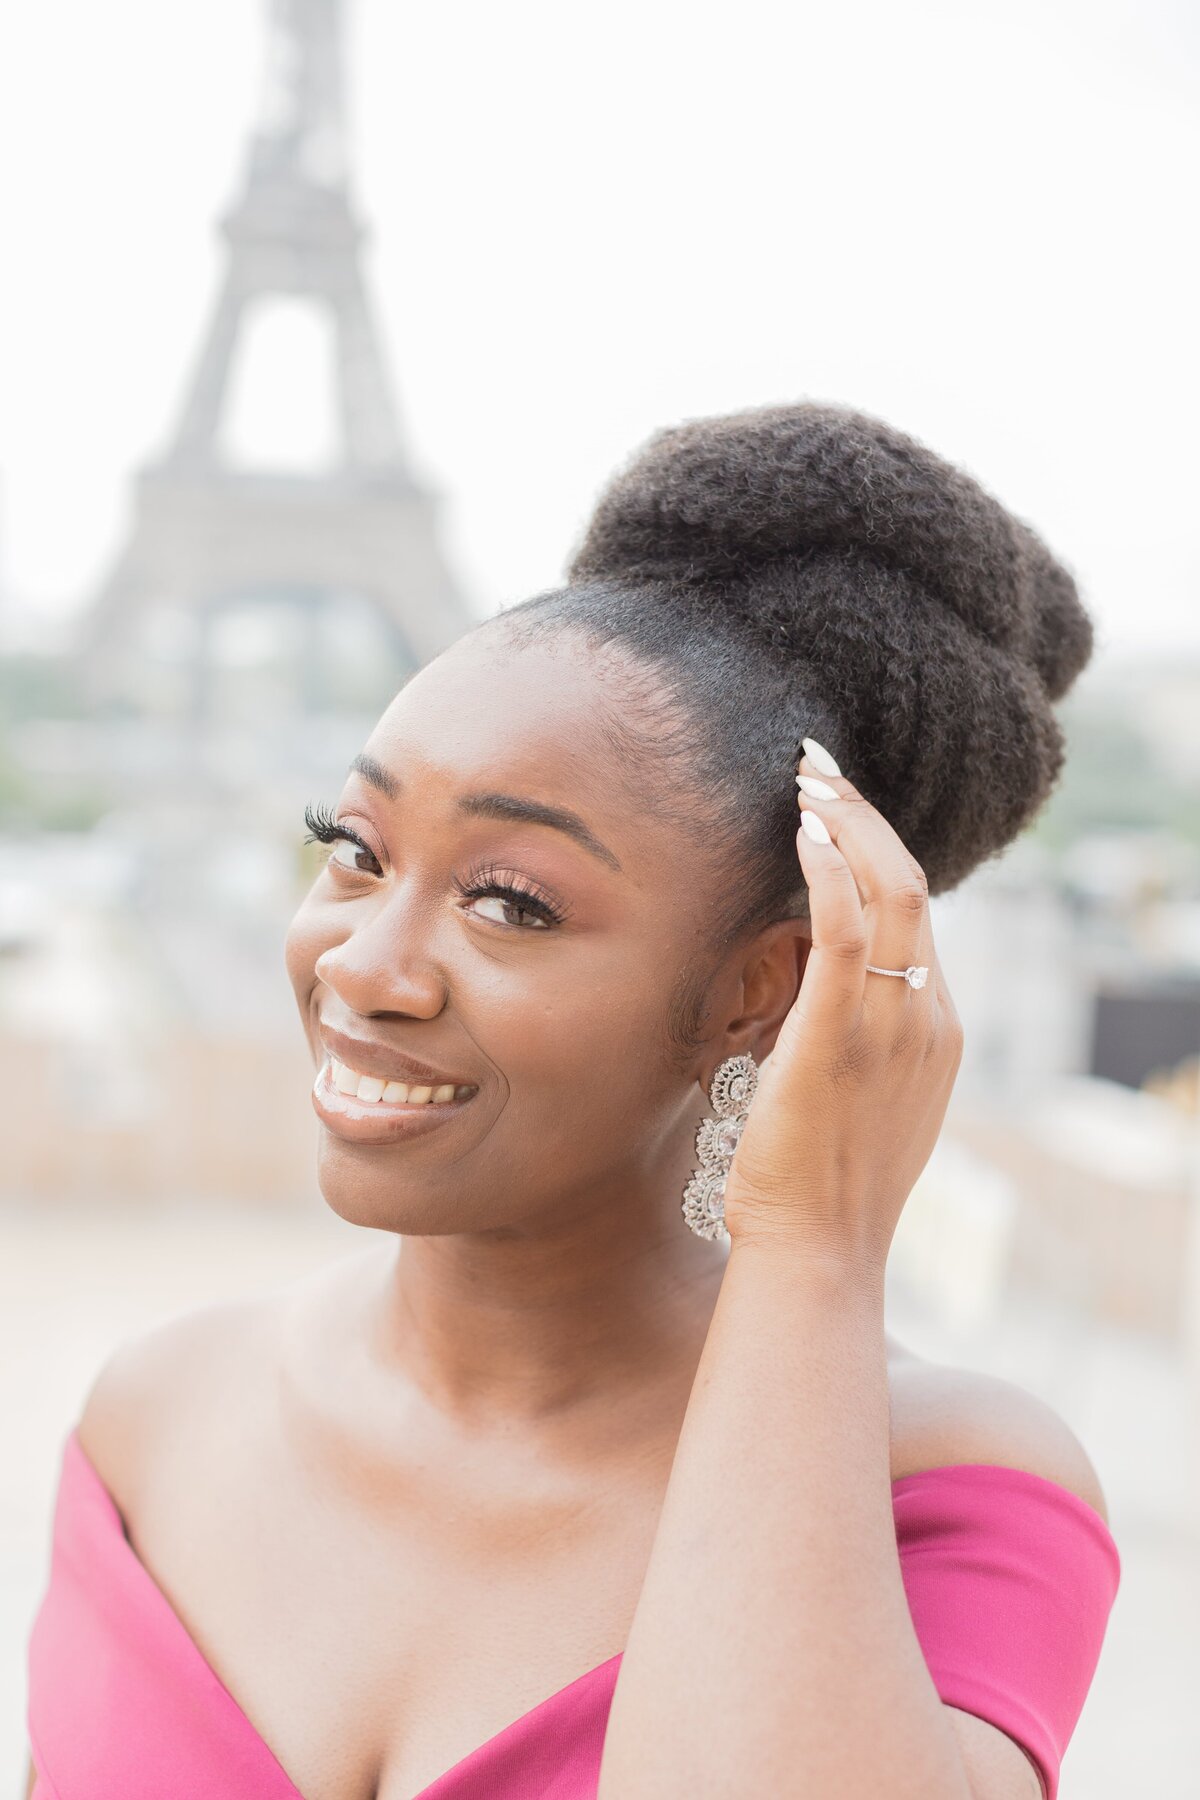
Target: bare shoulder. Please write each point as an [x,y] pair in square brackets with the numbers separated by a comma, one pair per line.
[165,1384]
[944,1414]
[153,1377]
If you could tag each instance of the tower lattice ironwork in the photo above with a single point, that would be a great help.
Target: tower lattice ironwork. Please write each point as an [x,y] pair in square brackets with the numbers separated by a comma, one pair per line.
[350,551]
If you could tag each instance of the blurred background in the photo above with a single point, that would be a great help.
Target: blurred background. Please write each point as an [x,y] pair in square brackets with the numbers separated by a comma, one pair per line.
[322,326]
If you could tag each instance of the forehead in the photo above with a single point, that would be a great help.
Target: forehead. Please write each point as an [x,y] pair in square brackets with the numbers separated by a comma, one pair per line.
[530,719]
[486,701]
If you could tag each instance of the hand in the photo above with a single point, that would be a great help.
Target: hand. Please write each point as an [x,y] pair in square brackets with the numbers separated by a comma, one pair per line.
[851,1102]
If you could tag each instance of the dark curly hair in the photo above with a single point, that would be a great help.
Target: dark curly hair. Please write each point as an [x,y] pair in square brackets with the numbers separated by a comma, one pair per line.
[801,571]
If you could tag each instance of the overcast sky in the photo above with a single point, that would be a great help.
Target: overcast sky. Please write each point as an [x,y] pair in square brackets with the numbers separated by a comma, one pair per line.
[590,221]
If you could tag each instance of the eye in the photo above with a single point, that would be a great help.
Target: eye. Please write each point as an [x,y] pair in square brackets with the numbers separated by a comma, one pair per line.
[323,828]
[347,851]
[510,897]
[506,907]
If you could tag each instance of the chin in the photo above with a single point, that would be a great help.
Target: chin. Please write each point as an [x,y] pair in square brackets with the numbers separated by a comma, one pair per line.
[361,1186]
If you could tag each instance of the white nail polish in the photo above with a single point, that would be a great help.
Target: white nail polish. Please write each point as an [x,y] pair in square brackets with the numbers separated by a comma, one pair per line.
[819,757]
[816,790]
[814,827]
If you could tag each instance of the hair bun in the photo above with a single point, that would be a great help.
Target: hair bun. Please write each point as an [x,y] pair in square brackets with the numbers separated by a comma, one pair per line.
[710,503]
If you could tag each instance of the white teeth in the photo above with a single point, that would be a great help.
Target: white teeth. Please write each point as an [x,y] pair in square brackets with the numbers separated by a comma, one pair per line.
[344,1079]
[395,1093]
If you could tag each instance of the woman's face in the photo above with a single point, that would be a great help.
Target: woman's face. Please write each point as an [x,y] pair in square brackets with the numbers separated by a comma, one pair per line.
[555,1014]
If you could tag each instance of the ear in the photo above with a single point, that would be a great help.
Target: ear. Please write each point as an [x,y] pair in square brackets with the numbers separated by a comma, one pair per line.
[768,978]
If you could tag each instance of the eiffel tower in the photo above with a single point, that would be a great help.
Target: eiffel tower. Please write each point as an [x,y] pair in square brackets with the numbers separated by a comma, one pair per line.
[331,585]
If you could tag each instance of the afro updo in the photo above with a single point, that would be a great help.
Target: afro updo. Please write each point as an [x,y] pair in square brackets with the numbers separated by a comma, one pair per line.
[803,570]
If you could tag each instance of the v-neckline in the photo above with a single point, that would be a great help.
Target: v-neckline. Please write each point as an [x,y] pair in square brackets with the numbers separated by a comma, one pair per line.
[436,1789]
[443,1786]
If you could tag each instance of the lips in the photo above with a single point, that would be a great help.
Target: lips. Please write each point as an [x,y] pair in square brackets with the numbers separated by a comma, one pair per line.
[385,1062]
[380,1122]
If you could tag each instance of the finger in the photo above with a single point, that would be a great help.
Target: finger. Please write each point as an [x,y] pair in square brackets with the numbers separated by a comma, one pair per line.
[892,883]
[831,992]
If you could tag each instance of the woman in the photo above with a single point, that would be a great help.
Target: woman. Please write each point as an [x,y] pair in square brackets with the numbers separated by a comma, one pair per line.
[544,1493]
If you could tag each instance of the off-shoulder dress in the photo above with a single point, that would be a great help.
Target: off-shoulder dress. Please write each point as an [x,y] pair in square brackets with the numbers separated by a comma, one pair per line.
[1010,1579]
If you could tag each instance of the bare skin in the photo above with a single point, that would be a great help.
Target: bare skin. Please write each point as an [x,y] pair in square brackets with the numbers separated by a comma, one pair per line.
[380,1594]
[400,1504]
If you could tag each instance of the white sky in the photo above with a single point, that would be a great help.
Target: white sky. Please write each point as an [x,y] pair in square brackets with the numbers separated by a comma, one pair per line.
[590,221]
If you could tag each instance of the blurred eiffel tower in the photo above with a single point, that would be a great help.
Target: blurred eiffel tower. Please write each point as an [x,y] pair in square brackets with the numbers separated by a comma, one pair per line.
[267,595]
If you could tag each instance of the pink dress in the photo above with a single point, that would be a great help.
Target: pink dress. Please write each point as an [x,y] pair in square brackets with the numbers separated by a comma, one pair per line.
[1010,1579]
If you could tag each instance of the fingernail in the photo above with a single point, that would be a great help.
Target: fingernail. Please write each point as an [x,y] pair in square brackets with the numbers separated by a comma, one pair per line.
[814,827]
[819,757]
[816,790]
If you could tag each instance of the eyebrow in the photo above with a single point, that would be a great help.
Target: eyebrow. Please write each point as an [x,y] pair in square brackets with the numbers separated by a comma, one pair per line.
[499,806]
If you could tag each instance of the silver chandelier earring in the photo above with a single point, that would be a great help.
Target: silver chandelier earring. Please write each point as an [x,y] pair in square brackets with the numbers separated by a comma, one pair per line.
[733,1088]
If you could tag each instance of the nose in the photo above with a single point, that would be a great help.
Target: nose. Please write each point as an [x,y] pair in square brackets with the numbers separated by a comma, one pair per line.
[380,967]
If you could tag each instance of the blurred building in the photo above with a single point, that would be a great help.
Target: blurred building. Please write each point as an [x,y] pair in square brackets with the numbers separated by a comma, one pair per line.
[253,597]
[258,620]
[1076,979]
[270,599]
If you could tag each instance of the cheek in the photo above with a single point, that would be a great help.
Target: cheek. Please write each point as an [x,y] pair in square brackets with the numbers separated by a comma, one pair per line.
[302,945]
[577,1046]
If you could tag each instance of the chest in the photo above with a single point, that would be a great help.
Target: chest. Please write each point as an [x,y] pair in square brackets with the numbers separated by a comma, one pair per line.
[374,1647]
[375,1633]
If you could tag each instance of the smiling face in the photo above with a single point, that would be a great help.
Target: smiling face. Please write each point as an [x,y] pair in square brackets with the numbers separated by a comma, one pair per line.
[550,1000]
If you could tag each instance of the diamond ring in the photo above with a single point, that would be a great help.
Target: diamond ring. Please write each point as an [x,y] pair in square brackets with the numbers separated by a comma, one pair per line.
[914,975]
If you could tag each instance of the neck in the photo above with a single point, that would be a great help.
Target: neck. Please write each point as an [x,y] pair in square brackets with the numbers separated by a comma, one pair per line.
[525,1325]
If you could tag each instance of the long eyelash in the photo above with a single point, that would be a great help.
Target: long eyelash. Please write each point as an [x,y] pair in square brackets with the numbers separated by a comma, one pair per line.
[321,825]
[324,828]
[481,883]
